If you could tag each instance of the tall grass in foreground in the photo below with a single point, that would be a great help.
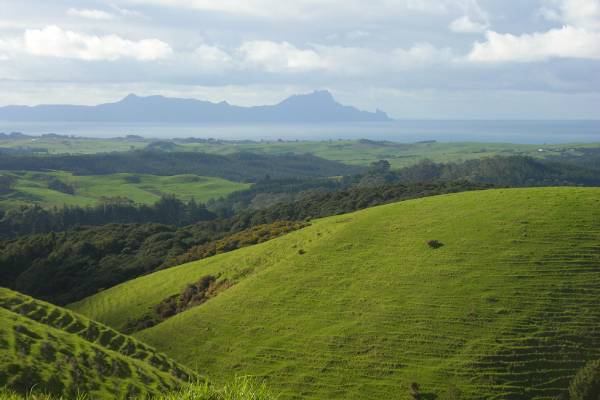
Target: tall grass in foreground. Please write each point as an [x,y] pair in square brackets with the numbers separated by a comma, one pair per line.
[239,389]
[6,394]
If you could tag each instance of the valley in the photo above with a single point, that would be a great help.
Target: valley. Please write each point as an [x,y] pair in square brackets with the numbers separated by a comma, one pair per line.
[299,200]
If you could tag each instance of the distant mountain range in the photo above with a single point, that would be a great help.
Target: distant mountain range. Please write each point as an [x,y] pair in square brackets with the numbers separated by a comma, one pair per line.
[319,106]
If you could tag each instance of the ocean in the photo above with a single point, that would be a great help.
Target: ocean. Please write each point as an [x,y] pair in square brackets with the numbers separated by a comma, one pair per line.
[526,132]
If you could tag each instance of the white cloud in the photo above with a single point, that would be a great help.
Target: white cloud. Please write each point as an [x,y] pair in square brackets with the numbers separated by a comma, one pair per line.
[53,41]
[578,13]
[566,42]
[355,61]
[8,47]
[126,12]
[280,57]
[284,57]
[212,58]
[312,8]
[466,25]
[90,14]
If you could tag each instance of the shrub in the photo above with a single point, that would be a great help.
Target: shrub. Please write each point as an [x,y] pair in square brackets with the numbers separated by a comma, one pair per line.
[586,384]
[434,244]
[60,186]
[415,391]
[132,179]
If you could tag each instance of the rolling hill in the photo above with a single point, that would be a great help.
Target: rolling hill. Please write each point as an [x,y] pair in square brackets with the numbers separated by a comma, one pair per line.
[58,352]
[478,295]
[34,188]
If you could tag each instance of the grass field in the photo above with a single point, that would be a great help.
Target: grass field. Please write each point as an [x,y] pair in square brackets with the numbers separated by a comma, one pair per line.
[359,306]
[398,154]
[55,351]
[358,152]
[32,188]
[74,145]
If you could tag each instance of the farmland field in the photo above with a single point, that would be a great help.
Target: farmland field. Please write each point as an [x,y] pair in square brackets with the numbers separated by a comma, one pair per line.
[501,304]
[32,188]
[356,152]
[364,152]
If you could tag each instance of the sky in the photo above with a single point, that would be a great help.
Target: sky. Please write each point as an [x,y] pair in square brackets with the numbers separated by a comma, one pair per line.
[414,59]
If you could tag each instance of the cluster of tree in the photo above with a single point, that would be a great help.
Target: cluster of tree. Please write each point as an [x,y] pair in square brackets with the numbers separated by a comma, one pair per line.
[6,183]
[247,237]
[68,266]
[588,158]
[269,192]
[317,204]
[60,186]
[514,171]
[246,167]
[193,295]
[168,210]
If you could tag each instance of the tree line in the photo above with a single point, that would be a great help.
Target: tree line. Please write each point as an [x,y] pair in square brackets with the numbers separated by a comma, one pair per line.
[242,167]
[167,210]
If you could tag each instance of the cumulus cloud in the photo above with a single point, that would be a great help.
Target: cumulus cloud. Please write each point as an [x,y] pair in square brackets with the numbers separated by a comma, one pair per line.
[578,38]
[280,57]
[357,61]
[566,42]
[466,25]
[90,14]
[212,58]
[284,57]
[126,12]
[579,13]
[312,8]
[53,41]
[8,48]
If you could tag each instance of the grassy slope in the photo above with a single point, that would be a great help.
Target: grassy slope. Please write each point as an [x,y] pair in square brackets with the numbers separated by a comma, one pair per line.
[506,309]
[59,352]
[31,187]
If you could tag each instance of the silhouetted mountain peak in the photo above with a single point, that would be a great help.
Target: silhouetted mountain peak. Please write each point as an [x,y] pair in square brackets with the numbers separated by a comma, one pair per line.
[130,97]
[318,106]
[318,97]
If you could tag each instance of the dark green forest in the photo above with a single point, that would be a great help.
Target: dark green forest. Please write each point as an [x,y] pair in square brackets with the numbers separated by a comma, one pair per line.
[243,167]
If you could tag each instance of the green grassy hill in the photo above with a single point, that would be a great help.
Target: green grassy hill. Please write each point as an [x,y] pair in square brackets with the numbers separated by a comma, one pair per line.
[360,306]
[56,351]
[33,188]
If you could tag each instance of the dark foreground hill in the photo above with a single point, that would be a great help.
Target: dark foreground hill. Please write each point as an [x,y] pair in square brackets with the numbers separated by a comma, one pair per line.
[478,295]
[55,351]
